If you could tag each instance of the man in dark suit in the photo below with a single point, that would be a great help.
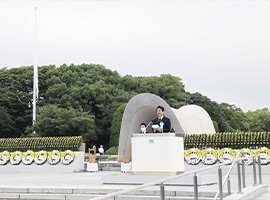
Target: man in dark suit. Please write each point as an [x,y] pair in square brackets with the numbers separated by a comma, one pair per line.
[161,123]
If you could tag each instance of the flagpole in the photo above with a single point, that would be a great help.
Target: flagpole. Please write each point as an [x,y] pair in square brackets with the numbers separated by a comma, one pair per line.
[35,77]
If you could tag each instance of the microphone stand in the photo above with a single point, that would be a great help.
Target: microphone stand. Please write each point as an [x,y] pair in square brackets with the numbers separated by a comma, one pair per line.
[148,124]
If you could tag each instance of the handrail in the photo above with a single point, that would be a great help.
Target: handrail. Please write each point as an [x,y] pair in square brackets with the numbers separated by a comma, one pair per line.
[160,181]
[228,174]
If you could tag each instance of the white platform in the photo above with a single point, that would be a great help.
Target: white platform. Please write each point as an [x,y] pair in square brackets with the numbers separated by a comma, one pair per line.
[157,154]
[126,167]
[92,167]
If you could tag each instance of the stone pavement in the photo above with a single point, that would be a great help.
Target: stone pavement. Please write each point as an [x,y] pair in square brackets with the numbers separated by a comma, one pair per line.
[86,180]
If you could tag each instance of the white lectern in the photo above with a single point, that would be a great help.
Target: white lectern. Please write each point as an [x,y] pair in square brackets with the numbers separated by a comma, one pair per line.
[157,154]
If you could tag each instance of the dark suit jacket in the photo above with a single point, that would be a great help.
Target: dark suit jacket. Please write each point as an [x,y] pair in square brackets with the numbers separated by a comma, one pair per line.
[166,123]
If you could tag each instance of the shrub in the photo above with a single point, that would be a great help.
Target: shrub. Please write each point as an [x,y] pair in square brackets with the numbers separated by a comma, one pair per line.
[112,151]
[116,125]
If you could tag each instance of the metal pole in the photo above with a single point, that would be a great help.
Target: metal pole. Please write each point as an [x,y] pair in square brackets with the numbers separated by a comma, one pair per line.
[220,183]
[35,77]
[239,178]
[162,193]
[260,169]
[196,196]
[243,174]
[254,171]
[229,185]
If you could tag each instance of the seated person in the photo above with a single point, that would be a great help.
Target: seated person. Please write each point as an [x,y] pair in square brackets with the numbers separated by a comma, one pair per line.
[161,123]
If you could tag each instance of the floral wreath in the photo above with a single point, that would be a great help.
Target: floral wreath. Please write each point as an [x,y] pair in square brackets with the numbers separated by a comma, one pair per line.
[4,157]
[226,155]
[193,156]
[67,157]
[28,157]
[54,157]
[16,157]
[248,154]
[264,153]
[40,157]
[209,156]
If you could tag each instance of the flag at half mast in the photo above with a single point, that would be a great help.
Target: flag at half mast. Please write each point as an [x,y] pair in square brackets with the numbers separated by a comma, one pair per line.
[35,77]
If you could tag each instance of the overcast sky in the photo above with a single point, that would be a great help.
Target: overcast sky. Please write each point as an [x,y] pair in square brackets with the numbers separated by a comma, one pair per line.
[220,49]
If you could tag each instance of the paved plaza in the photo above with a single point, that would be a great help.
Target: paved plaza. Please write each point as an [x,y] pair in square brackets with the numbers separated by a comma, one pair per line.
[87,180]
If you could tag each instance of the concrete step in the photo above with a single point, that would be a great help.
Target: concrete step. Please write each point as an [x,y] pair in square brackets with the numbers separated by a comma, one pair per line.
[84,194]
[107,166]
[16,196]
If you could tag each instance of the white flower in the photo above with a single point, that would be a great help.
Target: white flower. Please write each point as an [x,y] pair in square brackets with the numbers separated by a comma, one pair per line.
[67,157]
[54,157]
[193,156]
[16,157]
[28,157]
[4,157]
[40,157]
[209,156]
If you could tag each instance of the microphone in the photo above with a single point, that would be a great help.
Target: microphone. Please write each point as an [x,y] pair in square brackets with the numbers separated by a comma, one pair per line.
[149,124]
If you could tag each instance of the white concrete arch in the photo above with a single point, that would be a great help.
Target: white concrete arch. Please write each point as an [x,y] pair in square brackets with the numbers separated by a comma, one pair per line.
[142,108]
[194,119]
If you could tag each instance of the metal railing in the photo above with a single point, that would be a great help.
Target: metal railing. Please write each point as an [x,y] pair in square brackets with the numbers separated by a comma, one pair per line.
[227,178]
[195,180]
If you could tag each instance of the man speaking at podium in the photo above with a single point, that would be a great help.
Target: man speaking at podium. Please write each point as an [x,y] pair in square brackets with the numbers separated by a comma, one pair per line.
[161,123]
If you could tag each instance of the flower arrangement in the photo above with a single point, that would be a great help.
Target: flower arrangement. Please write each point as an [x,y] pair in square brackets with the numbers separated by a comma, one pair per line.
[4,157]
[28,157]
[264,153]
[247,153]
[226,155]
[67,157]
[54,157]
[40,157]
[193,156]
[16,157]
[209,156]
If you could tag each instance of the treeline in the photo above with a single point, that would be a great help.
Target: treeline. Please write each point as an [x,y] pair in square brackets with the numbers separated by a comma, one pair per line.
[81,100]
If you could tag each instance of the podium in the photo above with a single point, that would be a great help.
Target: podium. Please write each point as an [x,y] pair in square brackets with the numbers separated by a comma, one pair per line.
[157,154]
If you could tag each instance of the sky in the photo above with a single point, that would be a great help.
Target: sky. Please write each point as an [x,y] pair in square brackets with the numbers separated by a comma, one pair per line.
[220,49]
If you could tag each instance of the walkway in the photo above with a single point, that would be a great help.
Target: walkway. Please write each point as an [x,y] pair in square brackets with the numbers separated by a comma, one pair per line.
[86,180]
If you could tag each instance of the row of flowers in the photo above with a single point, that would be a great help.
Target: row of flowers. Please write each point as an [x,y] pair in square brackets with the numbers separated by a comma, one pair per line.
[210,156]
[227,139]
[40,143]
[40,157]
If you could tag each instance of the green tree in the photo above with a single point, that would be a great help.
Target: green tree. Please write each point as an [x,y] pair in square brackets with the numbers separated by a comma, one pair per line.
[15,100]
[258,120]
[168,87]
[116,125]
[6,123]
[87,88]
[55,121]
[233,117]
[228,117]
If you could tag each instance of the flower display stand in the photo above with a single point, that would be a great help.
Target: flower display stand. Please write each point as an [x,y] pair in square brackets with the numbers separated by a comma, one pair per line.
[126,164]
[92,166]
